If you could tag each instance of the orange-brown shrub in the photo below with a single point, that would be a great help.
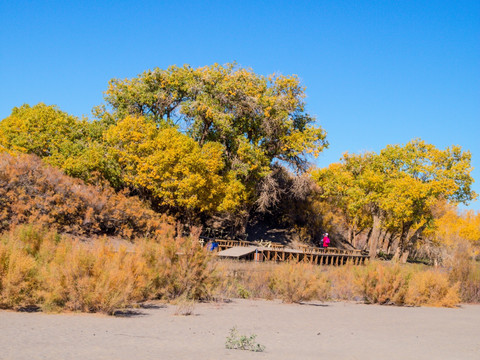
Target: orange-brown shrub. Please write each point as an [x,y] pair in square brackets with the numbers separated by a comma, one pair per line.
[177,267]
[465,271]
[242,280]
[31,191]
[431,288]
[296,282]
[96,279]
[384,284]
[39,267]
[470,288]
[290,282]
[343,280]
[17,276]
[377,282]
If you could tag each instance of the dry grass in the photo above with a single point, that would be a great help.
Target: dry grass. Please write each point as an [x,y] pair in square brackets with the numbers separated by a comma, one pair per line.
[17,276]
[465,271]
[244,280]
[299,282]
[184,307]
[91,280]
[377,282]
[432,288]
[39,267]
[384,284]
[290,282]
[344,284]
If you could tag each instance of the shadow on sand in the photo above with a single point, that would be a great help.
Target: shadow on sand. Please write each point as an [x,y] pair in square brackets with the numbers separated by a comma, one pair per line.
[138,312]
[313,304]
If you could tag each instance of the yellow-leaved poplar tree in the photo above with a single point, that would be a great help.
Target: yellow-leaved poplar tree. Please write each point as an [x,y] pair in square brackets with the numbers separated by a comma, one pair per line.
[171,166]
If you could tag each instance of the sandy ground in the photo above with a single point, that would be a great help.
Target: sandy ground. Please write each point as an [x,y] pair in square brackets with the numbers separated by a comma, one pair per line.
[309,331]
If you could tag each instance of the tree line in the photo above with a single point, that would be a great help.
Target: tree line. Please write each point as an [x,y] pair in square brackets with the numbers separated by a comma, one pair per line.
[222,144]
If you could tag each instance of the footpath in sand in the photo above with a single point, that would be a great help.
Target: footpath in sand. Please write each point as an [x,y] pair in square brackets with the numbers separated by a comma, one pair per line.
[310,331]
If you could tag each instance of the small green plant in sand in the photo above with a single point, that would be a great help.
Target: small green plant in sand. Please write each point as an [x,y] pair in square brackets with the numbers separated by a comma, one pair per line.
[242,342]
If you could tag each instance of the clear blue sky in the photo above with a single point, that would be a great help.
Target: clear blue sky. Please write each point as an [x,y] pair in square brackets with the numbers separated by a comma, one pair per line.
[376,72]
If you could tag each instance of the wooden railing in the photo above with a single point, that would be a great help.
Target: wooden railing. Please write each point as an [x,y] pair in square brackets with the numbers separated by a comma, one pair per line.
[227,244]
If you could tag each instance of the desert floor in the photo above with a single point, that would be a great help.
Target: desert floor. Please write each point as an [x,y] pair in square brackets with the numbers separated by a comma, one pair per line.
[289,331]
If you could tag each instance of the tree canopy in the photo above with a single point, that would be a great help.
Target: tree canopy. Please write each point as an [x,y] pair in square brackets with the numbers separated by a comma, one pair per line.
[220,143]
[41,130]
[171,166]
[258,119]
[398,187]
[202,139]
[62,140]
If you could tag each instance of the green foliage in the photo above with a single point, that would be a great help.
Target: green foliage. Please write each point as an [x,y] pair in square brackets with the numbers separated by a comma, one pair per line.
[242,342]
[63,140]
[216,143]
[41,130]
[234,125]
[243,293]
[419,175]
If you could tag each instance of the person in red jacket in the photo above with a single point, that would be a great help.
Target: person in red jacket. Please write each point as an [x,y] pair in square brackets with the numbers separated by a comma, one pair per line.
[326,241]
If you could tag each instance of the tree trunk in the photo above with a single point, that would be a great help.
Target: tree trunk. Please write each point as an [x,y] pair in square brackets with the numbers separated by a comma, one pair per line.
[386,243]
[381,244]
[414,238]
[396,256]
[206,128]
[404,242]
[404,257]
[409,241]
[367,241]
[374,236]
[355,236]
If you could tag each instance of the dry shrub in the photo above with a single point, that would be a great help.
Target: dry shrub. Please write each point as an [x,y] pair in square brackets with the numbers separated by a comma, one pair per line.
[378,282]
[251,281]
[38,267]
[17,276]
[178,267]
[33,192]
[465,271]
[344,285]
[91,280]
[432,288]
[296,282]
[384,284]
[291,282]
[184,307]
[470,287]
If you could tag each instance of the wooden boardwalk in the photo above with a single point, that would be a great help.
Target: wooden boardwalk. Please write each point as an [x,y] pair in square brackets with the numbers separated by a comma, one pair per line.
[245,250]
